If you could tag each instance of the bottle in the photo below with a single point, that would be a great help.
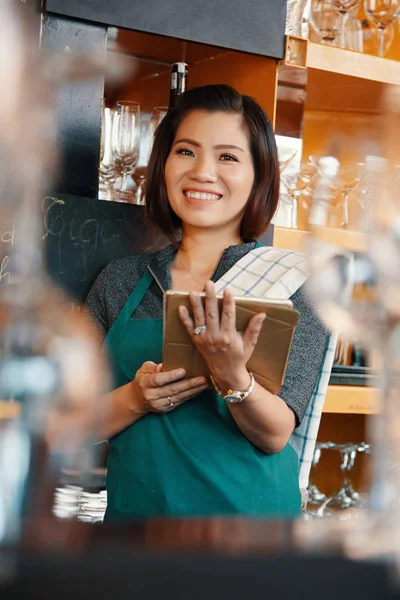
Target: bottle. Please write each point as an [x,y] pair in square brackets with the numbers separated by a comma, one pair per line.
[179,73]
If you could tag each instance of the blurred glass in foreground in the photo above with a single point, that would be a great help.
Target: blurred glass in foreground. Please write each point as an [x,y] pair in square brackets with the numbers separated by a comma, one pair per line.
[51,369]
[355,284]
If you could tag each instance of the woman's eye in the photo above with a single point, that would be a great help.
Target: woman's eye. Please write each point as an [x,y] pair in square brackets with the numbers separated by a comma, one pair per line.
[185,151]
[228,157]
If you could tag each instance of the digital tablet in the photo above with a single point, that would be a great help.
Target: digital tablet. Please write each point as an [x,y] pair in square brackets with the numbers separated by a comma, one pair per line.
[269,359]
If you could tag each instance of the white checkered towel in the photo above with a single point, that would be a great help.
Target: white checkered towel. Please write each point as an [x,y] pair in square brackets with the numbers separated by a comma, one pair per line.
[277,274]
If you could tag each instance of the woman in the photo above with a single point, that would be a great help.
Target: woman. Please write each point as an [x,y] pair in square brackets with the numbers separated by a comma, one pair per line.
[176,447]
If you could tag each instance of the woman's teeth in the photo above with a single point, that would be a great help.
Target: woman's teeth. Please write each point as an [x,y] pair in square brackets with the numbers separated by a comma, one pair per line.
[202,196]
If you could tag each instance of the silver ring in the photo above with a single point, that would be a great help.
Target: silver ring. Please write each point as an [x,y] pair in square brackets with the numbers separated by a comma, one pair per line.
[199,329]
[171,404]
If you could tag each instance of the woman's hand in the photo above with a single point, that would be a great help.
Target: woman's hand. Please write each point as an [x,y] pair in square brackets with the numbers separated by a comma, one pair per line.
[160,392]
[225,350]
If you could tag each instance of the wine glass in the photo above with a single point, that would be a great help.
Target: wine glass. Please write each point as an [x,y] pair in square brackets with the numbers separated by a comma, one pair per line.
[286,155]
[343,7]
[371,37]
[324,18]
[158,114]
[345,182]
[147,135]
[348,179]
[107,171]
[382,13]
[315,496]
[125,141]
[297,185]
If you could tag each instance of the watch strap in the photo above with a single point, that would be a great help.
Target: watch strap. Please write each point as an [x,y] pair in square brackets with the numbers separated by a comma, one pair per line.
[234,396]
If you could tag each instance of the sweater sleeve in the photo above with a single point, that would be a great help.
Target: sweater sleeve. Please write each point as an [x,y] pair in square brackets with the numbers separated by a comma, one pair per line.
[306,356]
[95,304]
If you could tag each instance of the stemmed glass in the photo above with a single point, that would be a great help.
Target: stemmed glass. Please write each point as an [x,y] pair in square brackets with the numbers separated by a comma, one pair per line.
[107,169]
[358,499]
[286,155]
[382,13]
[297,185]
[340,500]
[345,182]
[125,140]
[344,6]
[315,496]
[139,176]
[158,114]
[324,18]
[348,179]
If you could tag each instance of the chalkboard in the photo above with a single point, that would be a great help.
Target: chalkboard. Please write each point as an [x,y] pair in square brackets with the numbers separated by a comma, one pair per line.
[83,235]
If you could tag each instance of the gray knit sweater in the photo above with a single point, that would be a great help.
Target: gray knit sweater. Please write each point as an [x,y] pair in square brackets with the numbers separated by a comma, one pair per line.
[116,281]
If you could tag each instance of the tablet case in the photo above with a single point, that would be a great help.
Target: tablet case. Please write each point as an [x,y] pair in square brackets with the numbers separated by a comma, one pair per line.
[269,359]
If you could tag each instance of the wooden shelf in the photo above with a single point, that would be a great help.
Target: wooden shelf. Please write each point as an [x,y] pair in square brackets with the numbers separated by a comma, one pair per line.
[352,64]
[296,239]
[351,400]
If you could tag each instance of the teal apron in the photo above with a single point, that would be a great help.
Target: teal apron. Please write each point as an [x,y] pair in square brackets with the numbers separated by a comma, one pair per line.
[193,461]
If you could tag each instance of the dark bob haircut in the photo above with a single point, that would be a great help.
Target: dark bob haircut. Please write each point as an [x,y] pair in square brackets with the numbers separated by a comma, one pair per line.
[264,196]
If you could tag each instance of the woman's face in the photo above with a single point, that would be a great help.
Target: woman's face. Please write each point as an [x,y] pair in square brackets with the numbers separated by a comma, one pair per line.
[209,172]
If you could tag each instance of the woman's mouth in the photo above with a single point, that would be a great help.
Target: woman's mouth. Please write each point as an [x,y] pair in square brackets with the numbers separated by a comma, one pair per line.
[202,196]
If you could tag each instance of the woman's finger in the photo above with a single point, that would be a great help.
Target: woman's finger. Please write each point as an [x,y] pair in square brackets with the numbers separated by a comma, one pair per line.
[197,309]
[186,319]
[161,379]
[228,315]
[212,312]
[176,400]
[250,336]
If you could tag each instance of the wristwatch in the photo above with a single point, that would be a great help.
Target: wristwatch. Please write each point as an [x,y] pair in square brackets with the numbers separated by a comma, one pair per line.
[234,396]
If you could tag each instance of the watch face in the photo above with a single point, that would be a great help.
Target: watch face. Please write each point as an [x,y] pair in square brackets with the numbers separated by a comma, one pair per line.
[232,399]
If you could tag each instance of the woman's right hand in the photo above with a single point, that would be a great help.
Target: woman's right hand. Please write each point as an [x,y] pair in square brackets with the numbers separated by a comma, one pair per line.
[159,392]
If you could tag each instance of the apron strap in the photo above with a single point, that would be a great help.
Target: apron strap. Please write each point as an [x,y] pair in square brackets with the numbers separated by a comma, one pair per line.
[130,305]
[136,296]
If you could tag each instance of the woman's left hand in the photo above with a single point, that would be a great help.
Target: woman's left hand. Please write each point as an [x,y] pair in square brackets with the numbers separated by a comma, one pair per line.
[225,350]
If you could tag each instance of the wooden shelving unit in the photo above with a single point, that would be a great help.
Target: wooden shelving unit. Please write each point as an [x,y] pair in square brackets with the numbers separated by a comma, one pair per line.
[296,239]
[352,64]
[351,400]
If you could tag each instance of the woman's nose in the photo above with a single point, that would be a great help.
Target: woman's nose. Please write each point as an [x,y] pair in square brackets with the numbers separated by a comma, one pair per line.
[204,170]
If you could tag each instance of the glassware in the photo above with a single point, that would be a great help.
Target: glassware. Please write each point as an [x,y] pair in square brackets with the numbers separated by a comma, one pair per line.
[51,367]
[371,37]
[125,140]
[294,17]
[354,38]
[139,176]
[382,13]
[317,497]
[107,170]
[348,179]
[158,114]
[344,184]
[344,6]
[355,290]
[286,156]
[325,20]
[297,185]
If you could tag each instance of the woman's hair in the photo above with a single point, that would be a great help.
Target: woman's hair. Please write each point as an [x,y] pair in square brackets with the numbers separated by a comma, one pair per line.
[264,196]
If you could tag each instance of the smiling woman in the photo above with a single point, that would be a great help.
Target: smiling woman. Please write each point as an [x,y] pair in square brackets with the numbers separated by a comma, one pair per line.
[209,175]
[179,446]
